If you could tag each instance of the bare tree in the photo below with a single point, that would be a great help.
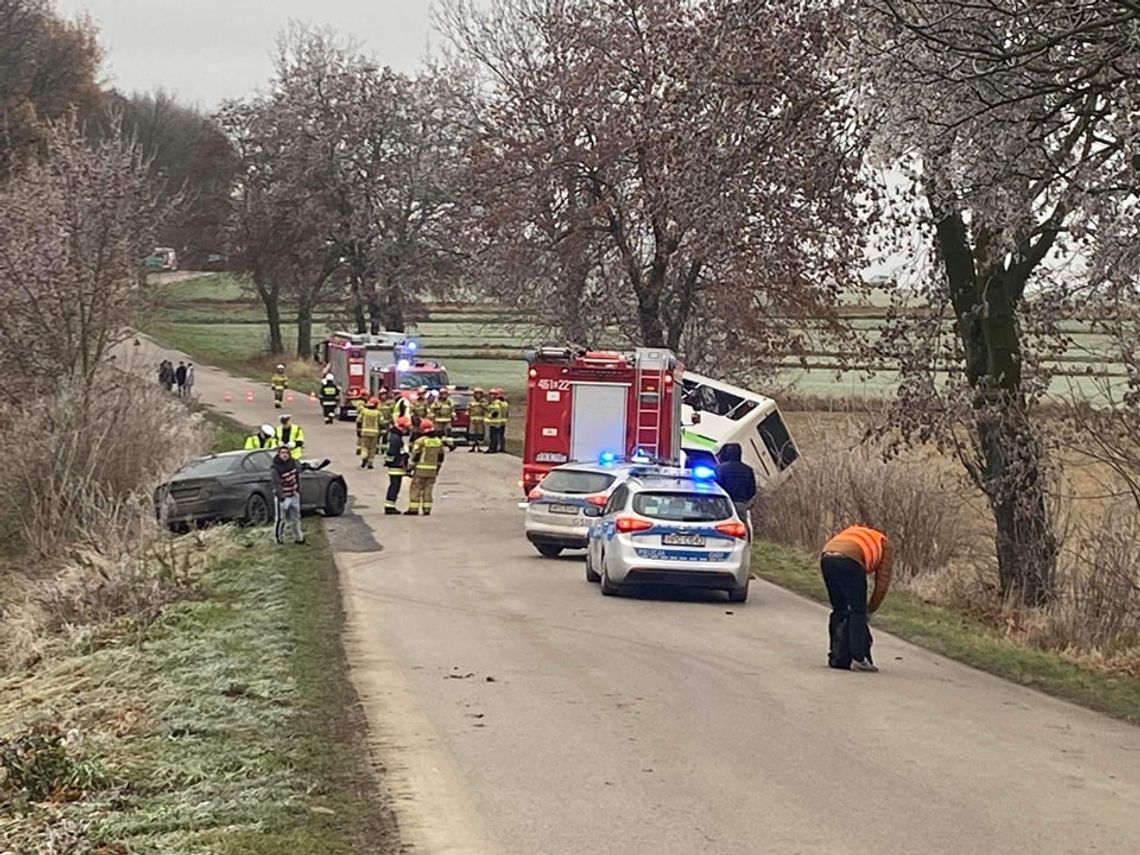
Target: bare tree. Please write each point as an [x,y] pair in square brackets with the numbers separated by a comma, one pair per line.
[74,230]
[687,159]
[1015,124]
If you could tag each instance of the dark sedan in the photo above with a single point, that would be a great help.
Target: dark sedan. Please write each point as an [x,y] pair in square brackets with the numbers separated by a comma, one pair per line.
[237,486]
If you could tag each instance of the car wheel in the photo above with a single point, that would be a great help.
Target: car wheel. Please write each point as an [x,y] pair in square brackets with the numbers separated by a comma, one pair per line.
[336,498]
[591,574]
[738,595]
[257,510]
[609,589]
[548,550]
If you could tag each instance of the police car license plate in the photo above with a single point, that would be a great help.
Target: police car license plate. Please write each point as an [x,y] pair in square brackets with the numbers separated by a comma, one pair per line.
[682,540]
[563,509]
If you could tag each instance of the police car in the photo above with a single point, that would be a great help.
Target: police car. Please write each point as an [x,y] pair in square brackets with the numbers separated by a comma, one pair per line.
[668,526]
[559,510]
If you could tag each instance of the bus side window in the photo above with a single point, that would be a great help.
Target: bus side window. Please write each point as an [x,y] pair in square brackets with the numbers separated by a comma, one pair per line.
[777,440]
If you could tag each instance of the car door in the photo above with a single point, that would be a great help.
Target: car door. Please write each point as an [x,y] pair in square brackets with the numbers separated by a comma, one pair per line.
[256,475]
[605,525]
[313,485]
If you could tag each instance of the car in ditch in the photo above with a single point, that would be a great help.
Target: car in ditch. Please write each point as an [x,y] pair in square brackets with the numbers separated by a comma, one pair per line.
[237,486]
[670,526]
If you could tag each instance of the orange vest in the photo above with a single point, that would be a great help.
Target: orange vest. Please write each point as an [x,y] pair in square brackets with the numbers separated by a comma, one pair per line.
[869,541]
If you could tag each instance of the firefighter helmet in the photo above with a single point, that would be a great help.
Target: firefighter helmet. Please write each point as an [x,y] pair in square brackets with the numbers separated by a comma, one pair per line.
[280,367]
[403,421]
[373,401]
[427,426]
[476,391]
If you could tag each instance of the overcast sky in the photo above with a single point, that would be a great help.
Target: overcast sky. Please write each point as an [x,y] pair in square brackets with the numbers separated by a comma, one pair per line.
[207,50]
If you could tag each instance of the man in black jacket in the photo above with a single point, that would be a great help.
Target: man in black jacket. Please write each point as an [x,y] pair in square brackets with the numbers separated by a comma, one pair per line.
[286,475]
[737,479]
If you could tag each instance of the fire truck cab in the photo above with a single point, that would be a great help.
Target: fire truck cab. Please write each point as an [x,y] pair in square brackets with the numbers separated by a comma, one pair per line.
[583,405]
[351,358]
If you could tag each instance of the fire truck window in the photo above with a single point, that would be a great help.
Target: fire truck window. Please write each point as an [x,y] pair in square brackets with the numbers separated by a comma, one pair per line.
[577,483]
[777,440]
[423,380]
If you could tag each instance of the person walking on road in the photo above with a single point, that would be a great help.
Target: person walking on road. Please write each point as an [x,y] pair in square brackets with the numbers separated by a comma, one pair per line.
[180,379]
[396,461]
[329,397]
[166,375]
[738,480]
[286,473]
[476,414]
[847,560]
[279,382]
[368,431]
[425,462]
[264,437]
[291,435]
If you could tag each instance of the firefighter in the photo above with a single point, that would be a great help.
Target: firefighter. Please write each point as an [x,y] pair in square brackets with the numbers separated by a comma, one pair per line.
[264,437]
[419,407]
[385,411]
[279,382]
[476,413]
[442,413]
[291,435]
[396,461]
[330,398]
[368,431]
[425,462]
[497,414]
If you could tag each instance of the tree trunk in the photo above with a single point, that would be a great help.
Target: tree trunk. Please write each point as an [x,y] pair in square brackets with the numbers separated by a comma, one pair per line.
[304,327]
[273,319]
[392,308]
[359,302]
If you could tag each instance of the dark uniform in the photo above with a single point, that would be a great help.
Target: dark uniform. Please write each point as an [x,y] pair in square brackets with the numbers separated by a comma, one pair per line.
[330,400]
[396,462]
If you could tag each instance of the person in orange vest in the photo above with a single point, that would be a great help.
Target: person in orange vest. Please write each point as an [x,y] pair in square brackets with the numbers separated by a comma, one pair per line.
[847,560]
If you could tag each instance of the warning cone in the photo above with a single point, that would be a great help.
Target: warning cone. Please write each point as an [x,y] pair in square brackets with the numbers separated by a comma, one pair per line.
[249,397]
[312,397]
[227,397]
[288,397]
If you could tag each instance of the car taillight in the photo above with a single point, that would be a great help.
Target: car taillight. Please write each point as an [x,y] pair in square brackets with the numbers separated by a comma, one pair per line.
[534,495]
[733,529]
[597,501]
[627,524]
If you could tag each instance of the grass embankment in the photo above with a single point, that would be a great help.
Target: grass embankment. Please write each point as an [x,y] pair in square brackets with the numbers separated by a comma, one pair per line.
[226,726]
[964,639]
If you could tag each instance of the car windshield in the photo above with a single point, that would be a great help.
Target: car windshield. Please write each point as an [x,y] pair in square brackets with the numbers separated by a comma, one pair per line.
[577,482]
[682,507]
[209,467]
[423,380]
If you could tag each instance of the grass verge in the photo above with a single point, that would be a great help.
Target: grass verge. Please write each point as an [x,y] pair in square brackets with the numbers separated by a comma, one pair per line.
[226,729]
[964,639]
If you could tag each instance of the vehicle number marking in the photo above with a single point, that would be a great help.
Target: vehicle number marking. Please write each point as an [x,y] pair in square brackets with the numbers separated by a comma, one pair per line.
[563,509]
[554,385]
[683,540]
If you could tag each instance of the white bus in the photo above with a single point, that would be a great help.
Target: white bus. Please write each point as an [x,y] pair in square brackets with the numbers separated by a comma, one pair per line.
[714,414]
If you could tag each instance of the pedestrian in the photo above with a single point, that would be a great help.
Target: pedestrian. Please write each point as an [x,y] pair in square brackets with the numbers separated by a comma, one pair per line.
[291,435]
[396,461]
[498,414]
[425,462]
[368,431]
[190,380]
[180,378]
[329,397]
[264,437]
[166,375]
[738,480]
[847,560]
[279,382]
[476,413]
[286,473]
[442,414]
[162,372]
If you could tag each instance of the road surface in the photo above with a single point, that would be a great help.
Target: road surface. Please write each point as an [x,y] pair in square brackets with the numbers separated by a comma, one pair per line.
[516,710]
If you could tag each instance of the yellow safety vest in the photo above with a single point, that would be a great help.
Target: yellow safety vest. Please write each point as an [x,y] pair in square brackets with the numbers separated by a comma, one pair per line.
[296,436]
[477,410]
[427,452]
[443,411]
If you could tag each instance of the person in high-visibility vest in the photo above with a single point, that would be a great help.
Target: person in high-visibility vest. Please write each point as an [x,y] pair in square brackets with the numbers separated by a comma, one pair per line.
[330,398]
[385,411]
[368,430]
[497,414]
[442,414]
[396,461]
[476,414]
[419,408]
[425,462]
[279,382]
[265,437]
[846,561]
[291,435]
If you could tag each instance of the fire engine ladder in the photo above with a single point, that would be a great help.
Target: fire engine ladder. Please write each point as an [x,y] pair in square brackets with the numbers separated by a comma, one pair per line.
[652,367]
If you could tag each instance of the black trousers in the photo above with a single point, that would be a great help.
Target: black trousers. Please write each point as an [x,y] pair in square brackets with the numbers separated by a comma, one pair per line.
[847,590]
[394,484]
[498,438]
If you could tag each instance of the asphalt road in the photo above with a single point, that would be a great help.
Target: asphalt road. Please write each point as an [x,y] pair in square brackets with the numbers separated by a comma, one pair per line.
[516,710]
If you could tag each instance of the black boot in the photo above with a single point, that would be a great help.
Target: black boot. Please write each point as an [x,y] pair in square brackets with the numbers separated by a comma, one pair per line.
[411,513]
[391,512]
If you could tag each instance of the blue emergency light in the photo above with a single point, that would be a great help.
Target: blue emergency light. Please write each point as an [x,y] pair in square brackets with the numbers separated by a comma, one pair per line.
[606,458]
[704,473]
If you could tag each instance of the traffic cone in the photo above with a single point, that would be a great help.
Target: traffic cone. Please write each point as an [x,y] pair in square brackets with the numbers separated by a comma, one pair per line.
[227,397]
[312,397]
[249,397]
[288,397]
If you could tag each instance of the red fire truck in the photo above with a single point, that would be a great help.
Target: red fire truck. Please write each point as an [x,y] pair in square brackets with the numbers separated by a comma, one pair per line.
[351,358]
[582,405]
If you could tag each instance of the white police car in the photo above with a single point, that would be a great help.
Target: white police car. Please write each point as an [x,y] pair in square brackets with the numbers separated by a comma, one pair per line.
[666,526]
[559,510]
